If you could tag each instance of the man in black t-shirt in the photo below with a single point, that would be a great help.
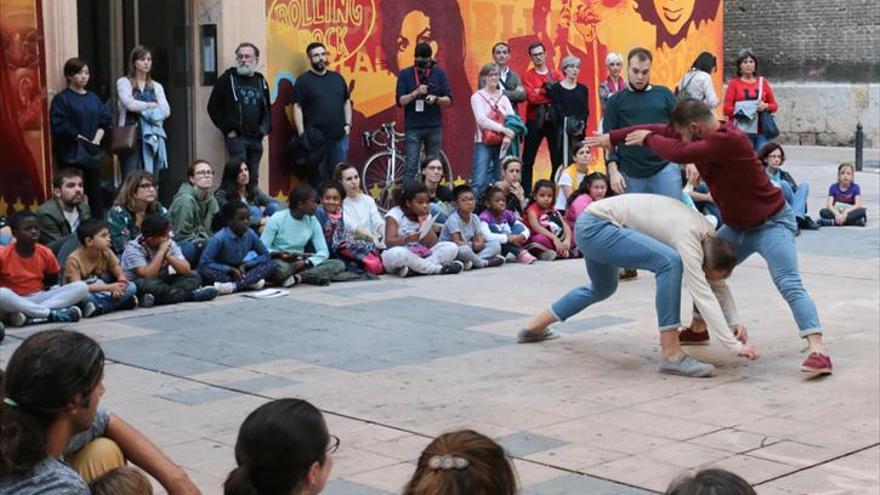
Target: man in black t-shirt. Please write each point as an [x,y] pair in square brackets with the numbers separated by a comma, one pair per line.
[239,107]
[321,103]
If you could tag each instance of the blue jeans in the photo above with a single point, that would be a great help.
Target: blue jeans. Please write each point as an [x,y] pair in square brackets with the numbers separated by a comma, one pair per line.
[758,141]
[796,199]
[774,241]
[666,182]
[335,153]
[431,137]
[192,251]
[487,167]
[606,247]
[106,303]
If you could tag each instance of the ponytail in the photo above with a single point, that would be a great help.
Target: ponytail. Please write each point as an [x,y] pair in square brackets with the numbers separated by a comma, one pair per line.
[239,482]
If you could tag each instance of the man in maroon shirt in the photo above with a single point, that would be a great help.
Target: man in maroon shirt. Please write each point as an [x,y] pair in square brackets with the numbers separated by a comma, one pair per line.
[535,82]
[756,217]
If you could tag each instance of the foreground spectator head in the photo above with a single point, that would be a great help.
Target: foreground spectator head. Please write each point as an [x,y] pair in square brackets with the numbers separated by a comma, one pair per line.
[511,168]
[53,376]
[282,447]
[463,462]
[122,481]
[710,482]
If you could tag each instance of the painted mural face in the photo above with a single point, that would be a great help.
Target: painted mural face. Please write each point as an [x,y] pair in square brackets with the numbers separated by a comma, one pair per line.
[415,29]
[674,14]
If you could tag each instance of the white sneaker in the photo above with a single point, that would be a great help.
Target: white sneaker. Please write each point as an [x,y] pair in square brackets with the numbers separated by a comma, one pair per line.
[290,281]
[224,288]
[258,285]
[468,265]
[403,272]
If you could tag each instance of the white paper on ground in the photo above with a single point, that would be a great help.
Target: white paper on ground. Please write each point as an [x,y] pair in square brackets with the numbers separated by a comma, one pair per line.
[266,293]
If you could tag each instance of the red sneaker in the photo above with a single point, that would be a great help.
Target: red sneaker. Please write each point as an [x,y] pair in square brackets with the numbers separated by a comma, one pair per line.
[690,337]
[817,363]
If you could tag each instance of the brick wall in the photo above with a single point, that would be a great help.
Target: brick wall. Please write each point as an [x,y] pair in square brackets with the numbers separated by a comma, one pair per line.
[808,40]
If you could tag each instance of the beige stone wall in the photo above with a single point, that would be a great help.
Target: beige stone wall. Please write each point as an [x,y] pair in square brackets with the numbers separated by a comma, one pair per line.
[61,42]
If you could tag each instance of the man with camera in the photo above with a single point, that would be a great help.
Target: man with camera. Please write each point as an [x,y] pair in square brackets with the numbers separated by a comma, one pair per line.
[422,90]
[540,119]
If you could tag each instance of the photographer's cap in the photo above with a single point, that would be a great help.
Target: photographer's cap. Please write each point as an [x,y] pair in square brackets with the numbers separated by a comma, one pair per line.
[424,50]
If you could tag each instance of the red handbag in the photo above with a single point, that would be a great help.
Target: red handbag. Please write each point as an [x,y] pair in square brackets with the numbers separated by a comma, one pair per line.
[488,136]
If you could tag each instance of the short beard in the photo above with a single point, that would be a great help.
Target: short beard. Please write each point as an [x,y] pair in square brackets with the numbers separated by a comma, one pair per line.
[319,66]
[246,70]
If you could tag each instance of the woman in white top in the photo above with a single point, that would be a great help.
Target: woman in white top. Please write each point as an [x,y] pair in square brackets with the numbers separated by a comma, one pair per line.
[360,214]
[484,103]
[139,95]
[697,82]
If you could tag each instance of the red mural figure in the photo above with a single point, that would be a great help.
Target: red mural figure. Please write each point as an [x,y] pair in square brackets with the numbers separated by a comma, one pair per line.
[673,18]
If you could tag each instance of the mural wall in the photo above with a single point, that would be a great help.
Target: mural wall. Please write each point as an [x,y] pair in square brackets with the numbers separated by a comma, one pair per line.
[371,40]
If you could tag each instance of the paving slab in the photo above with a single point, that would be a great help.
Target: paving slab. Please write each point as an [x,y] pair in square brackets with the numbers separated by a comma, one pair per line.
[394,362]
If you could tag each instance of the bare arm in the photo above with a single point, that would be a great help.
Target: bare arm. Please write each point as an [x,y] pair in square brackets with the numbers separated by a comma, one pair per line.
[298,119]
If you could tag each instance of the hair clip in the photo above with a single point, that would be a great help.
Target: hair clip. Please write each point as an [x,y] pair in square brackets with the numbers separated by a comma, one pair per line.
[447,462]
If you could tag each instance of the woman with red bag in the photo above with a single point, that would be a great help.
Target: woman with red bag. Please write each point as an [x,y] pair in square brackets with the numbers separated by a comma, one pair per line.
[490,108]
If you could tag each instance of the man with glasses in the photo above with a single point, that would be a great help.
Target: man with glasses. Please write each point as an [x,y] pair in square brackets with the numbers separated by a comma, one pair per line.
[539,113]
[193,209]
[321,103]
[422,90]
[240,107]
[508,79]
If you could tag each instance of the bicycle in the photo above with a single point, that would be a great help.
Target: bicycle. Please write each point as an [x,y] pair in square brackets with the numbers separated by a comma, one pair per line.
[383,170]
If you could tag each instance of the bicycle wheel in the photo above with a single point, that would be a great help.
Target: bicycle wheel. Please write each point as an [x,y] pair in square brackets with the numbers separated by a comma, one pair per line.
[380,177]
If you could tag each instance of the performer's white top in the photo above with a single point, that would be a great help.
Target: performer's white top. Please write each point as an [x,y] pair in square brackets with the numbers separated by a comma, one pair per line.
[683,228]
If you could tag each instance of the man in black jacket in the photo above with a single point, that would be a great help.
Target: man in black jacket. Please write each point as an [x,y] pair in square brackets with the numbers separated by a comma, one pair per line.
[239,106]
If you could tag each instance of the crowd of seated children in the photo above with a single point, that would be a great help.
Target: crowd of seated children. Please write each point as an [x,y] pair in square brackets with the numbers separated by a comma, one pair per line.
[235,259]
[550,235]
[464,229]
[296,242]
[410,239]
[359,254]
[844,203]
[504,226]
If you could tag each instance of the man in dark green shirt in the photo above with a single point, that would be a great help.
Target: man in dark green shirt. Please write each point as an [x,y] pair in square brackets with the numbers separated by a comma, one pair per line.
[635,169]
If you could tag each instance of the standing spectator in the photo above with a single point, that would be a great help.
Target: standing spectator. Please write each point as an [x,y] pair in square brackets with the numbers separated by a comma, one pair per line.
[636,169]
[773,156]
[540,121]
[490,107]
[193,210]
[571,106]
[137,198]
[321,101]
[697,82]
[422,90]
[79,120]
[509,80]
[236,185]
[749,87]
[239,107]
[62,214]
[614,82]
[142,103]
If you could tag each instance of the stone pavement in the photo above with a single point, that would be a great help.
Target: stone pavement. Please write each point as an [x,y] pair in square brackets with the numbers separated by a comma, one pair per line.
[393,363]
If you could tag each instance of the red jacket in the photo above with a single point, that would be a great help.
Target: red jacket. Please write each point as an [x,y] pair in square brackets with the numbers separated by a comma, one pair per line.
[728,163]
[535,93]
[739,90]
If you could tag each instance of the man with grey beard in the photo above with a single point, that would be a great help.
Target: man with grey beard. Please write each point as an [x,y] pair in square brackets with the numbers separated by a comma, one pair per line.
[239,106]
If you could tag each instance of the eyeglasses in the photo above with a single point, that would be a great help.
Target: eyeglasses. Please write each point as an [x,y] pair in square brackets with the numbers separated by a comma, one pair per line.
[775,155]
[536,55]
[146,186]
[333,445]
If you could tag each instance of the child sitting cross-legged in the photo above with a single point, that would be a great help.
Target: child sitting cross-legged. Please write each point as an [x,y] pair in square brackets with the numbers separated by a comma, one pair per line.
[593,188]
[464,228]
[94,263]
[412,244]
[358,252]
[551,235]
[28,272]
[235,259]
[844,203]
[157,266]
[502,225]
[287,234]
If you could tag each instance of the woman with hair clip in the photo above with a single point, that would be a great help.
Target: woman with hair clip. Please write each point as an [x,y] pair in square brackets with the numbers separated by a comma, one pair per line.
[283,447]
[53,436]
[142,102]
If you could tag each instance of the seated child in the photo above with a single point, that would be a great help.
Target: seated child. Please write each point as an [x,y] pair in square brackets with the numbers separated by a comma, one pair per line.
[287,234]
[503,226]
[464,229]
[157,266]
[235,259]
[463,461]
[844,203]
[359,255]
[713,480]
[593,188]
[94,263]
[122,481]
[28,270]
[412,243]
[551,235]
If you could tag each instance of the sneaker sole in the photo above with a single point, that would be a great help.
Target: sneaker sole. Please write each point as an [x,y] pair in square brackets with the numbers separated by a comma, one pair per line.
[697,344]
[705,374]
[815,371]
